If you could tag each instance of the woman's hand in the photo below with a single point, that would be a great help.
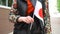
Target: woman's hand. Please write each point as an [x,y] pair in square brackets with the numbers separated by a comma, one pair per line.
[26,19]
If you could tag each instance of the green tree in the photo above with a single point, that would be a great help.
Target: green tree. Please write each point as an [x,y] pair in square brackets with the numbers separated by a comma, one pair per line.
[58,5]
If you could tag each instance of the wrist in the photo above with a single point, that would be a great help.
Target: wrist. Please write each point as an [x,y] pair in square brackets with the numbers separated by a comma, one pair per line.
[20,19]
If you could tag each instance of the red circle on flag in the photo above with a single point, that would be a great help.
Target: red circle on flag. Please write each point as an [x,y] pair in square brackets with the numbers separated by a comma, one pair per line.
[41,13]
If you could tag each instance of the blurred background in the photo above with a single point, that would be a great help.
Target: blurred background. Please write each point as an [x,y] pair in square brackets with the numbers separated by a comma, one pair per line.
[6,27]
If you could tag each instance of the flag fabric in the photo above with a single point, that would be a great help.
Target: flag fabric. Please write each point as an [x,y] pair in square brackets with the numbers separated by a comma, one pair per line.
[38,12]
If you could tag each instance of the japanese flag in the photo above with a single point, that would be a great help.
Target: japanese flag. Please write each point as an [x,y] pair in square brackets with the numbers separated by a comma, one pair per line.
[38,10]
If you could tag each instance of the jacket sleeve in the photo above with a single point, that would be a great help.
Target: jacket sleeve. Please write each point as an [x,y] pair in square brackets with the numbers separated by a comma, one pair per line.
[13,16]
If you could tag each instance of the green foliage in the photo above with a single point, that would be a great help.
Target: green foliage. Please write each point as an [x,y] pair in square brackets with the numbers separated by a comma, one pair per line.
[10,2]
[58,5]
[3,2]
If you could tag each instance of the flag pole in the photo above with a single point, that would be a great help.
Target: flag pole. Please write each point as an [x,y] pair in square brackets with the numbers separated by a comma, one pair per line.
[33,18]
[31,23]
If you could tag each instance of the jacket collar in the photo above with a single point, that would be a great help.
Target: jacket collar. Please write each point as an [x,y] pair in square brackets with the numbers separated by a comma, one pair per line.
[33,2]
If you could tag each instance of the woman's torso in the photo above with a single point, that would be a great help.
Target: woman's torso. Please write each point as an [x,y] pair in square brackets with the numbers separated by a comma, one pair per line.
[22,7]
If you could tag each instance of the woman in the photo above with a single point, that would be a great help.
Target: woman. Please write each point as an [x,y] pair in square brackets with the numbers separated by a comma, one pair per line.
[21,15]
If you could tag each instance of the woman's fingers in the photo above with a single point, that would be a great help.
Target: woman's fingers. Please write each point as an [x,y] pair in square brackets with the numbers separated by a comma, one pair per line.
[27,19]
[31,20]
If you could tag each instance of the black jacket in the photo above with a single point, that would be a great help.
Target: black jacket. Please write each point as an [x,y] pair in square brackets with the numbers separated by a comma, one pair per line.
[23,28]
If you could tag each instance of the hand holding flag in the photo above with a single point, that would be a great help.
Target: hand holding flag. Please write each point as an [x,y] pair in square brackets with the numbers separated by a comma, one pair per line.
[38,12]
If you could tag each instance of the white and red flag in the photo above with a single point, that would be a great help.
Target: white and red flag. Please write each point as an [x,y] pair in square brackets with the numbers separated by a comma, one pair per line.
[38,12]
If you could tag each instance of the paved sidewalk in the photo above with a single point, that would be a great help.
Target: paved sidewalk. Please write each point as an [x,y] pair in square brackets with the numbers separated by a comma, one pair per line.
[55,23]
